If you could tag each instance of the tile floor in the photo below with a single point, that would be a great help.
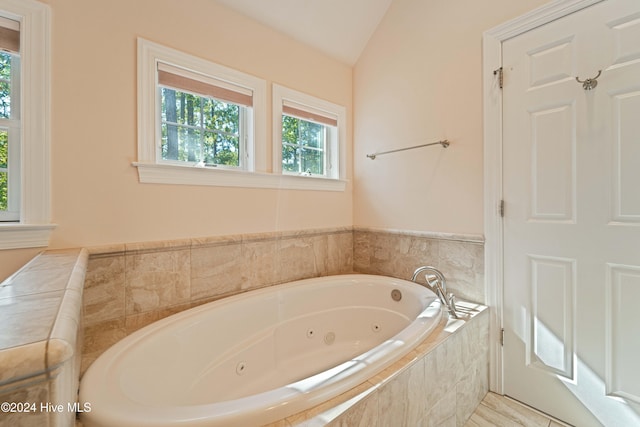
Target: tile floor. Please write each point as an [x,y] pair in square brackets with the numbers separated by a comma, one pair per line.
[501,411]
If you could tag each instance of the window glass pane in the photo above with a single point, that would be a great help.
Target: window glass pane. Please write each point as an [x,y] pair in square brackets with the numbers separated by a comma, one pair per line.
[222,116]
[312,161]
[221,149]
[5,85]
[311,134]
[199,129]
[303,146]
[290,158]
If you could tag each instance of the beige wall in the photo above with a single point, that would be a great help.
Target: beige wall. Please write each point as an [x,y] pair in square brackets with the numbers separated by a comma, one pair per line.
[418,81]
[96,196]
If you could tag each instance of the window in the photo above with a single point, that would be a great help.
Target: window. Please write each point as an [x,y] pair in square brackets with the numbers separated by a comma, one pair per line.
[24,124]
[309,135]
[199,122]
[305,143]
[202,123]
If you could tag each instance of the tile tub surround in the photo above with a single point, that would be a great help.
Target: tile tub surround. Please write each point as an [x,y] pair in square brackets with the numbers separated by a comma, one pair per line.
[396,253]
[440,383]
[41,340]
[130,286]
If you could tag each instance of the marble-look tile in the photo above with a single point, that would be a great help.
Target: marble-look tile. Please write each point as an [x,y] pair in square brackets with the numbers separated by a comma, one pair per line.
[361,251]
[62,339]
[216,270]
[398,254]
[106,250]
[393,402]
[339,253]
[360,413]
[443,413]
[462,263]
[35,393]
[54,260]
[261,264]
[514,411]
[29,282]
[215,240]
[104,291]
[470,390]
[40,309]
[158,246]
[476,238]
[138,321]
[332,409]
[99,337]
[302,258]
[156,280]
[22,361]
[485,417]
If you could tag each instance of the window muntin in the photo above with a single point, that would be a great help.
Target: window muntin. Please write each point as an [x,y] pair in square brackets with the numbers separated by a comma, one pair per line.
[201,129]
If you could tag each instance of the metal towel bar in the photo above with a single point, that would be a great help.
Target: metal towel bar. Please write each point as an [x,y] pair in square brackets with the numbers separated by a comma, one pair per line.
[444,144]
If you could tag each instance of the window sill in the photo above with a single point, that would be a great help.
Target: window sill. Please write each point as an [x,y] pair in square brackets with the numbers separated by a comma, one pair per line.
[19,236]
[189,175]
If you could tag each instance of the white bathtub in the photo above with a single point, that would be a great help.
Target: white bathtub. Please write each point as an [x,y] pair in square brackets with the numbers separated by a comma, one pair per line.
[260,356]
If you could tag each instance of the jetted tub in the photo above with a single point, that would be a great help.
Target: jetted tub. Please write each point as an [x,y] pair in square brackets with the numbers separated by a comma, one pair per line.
[260,356]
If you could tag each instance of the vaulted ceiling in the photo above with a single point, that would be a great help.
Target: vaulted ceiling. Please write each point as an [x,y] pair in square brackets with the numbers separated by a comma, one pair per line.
[339,28]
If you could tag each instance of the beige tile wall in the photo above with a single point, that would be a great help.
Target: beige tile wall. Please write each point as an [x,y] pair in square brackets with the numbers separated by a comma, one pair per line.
[130,286]
[399,253]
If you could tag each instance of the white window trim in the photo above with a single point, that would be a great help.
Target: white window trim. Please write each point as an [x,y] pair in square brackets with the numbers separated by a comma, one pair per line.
[281,94]
[34,228]
[256,175]
[150,167]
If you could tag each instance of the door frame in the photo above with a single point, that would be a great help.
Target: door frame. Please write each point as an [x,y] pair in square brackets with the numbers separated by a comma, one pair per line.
[493,193]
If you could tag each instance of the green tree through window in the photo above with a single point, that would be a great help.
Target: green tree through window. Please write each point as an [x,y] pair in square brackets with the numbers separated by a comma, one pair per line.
[303,146]
[200,129]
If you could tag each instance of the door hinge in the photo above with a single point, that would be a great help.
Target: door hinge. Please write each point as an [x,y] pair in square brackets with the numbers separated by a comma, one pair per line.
[500,75]
[501,208]
[502,337]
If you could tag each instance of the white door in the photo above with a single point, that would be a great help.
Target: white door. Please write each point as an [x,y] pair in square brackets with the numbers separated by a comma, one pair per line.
[571,168]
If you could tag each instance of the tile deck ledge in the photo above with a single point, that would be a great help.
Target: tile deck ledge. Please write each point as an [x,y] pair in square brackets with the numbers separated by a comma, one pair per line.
[42,309]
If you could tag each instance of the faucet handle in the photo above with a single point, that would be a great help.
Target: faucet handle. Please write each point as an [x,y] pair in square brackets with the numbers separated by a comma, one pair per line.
[452,301]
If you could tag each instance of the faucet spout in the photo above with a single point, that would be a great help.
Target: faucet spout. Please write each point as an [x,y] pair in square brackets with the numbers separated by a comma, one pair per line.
[438,284]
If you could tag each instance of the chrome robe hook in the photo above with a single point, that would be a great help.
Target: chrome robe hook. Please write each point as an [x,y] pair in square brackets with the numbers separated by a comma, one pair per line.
[591,83]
